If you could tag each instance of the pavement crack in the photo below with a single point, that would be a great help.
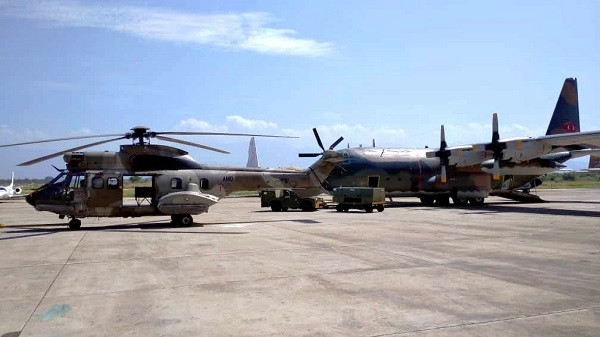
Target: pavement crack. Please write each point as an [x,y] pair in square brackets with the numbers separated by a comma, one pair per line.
[507,319]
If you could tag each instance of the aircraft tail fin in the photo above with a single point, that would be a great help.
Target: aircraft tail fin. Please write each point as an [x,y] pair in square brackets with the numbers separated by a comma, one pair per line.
[252,155]
[565,118]
[12,181]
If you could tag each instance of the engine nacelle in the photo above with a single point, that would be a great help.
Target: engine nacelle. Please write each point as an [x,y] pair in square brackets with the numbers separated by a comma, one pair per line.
[18,190]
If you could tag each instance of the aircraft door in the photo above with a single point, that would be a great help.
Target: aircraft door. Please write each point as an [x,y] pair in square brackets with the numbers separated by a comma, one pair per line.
[105,190]
[373,181]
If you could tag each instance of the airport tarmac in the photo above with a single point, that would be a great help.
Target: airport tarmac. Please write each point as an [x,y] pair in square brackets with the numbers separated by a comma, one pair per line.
[505,269]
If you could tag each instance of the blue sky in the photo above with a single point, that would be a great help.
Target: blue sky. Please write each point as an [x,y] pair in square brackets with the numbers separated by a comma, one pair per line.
[393,71]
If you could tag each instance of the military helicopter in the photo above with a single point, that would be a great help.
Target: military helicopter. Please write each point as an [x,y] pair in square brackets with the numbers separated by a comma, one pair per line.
[92,183]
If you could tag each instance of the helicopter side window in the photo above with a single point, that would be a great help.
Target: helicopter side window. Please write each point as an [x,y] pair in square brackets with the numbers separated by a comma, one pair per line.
[97,183]
[112,182]
[176,183]
[77,181]
[204,183]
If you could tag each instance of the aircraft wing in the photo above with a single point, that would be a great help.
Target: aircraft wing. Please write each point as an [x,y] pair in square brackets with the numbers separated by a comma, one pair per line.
[590,139]
[520,149]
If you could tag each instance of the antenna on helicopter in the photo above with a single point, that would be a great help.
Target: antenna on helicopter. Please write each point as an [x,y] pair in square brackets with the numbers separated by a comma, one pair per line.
[140,136]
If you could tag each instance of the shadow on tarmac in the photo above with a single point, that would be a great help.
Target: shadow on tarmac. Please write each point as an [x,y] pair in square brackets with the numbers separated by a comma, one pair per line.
[145,227]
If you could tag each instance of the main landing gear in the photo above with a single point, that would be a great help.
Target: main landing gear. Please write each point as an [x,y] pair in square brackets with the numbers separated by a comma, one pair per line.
[182,219]
[428,200]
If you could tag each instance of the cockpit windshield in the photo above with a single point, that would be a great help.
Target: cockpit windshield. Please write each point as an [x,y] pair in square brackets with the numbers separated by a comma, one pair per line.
[62,187]
[58,180]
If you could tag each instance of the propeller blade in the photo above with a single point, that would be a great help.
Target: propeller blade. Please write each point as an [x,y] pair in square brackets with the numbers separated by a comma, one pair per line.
[373,142]
[185,142]
[61,139]
[496,170]
[443,143]
[81,147]
[185,133]
[339,140]
[443,174]
[318,139]
[309,154]
[495,133]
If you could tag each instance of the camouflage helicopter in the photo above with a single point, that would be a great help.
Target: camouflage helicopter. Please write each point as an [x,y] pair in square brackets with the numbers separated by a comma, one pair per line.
[92,183]
[468,174]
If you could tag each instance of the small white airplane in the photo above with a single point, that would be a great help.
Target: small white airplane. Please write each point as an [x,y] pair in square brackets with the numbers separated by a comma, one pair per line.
[7,192]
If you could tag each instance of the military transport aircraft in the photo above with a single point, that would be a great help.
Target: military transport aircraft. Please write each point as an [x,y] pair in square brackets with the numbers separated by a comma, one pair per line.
[463,172]
[10,191]
[92,185]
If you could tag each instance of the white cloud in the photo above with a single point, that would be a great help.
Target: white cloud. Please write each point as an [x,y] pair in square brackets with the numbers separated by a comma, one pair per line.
[250,123]
[193,124]
[244,31]
[12,135]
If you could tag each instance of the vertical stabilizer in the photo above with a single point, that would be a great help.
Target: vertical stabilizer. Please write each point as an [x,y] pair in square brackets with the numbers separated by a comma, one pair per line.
[12,181]
[252,155]
[565,118]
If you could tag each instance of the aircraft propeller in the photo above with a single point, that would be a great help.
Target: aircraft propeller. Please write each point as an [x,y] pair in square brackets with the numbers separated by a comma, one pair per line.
[331,147]
[139,134]
[443,154]
[496,147]
[470,156]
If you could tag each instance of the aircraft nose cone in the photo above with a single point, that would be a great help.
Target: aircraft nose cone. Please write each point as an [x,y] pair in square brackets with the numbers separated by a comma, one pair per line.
[30,198]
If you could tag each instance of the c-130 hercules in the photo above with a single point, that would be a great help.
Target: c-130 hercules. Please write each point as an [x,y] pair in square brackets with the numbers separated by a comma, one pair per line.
[463,173]
[92,184]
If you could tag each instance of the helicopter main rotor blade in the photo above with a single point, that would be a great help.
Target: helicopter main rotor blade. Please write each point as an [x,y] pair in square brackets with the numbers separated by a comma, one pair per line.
[185,133]
[61,139]
[184,142]
[40,159]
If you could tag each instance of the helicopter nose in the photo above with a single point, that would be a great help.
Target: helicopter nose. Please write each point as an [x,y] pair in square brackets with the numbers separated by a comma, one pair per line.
[30,198]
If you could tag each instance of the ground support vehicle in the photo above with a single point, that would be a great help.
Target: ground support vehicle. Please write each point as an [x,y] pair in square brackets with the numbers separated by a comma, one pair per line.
[282,200]
[367,198]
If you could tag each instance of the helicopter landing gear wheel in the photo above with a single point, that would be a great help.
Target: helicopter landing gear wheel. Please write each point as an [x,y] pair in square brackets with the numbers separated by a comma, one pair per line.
[74,224]
[182,219]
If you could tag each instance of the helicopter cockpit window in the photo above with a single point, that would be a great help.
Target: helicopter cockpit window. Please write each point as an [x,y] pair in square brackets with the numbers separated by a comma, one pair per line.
[204,183]
[97,182]
[176,183]
[112,182]
[59,180]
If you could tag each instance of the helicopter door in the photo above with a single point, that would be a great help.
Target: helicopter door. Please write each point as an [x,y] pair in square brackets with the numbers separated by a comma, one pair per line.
[105,191]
